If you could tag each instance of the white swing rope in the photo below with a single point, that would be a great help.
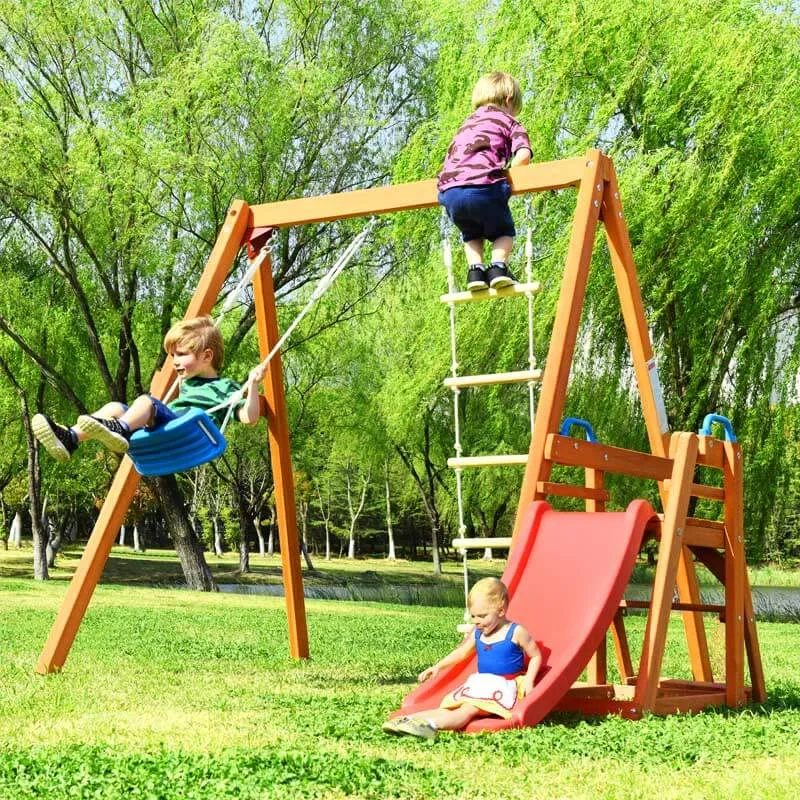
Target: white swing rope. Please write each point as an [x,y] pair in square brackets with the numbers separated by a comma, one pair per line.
[529,297]
[320,289]
[447,257]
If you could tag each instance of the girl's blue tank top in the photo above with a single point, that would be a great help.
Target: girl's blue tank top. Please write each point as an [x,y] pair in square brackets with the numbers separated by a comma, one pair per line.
[500,658]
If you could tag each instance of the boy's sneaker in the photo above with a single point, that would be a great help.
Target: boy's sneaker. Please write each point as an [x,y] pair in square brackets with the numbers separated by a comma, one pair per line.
[111,433]
[414,726]
[476,278]
[499,276]
[59,441]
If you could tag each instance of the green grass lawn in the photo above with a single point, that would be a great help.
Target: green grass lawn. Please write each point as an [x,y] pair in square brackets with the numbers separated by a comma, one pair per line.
[176,694]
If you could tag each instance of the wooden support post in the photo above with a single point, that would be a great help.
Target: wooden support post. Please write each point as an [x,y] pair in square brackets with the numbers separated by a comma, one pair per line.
[623,652]
[565,327]
[90,568]
[735,574]
[693,625]
[715,562]
[666,571]
[689,593]
[281,458]
[632,307]
[125,482]
[597,670]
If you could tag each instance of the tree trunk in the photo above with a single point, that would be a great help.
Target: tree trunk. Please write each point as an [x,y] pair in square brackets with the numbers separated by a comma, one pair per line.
[218,548]
[54,539]
[262,545]
[137,541]
[187,546]
[246,532]
[355,513]
[16,531]
[391,555]
[273,515]
[122,536]
[244,556]
[306,556]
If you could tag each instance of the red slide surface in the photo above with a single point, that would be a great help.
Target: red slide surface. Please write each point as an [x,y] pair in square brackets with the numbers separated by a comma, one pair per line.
[565,576]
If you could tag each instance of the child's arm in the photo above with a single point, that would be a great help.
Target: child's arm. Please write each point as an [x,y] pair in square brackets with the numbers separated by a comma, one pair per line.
[522,156]
[463,651]
[251,410]
[531,649]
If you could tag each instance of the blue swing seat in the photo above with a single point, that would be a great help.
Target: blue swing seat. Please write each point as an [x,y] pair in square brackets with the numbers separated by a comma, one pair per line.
[183,443]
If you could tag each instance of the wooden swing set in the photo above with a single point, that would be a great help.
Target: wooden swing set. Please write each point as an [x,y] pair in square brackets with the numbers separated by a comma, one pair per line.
[672,462]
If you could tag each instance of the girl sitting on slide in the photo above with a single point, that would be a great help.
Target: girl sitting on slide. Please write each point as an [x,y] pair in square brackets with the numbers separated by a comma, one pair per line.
[501,680]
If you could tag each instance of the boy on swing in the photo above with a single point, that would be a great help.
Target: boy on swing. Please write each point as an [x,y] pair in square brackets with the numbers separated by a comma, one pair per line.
[473,186]
[197,351]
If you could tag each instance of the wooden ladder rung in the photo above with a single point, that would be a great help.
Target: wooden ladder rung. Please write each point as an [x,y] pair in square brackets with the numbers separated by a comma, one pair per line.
[470,462]
[702,490]
[567,490]
[701,532]
[492,294]
[522,376]
[479,543]
[676,606]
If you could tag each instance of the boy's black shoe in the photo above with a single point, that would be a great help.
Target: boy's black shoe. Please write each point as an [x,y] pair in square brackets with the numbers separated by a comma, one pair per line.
[476,278]
[59,441]
[499,275]
[111,433]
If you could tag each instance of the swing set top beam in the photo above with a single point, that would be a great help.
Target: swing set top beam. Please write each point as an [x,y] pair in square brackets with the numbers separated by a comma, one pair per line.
[405,196]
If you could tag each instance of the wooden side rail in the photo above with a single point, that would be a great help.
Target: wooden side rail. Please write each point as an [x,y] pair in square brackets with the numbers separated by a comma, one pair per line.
[571,452]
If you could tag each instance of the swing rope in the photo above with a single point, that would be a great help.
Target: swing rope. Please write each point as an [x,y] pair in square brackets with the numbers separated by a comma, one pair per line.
[321,288]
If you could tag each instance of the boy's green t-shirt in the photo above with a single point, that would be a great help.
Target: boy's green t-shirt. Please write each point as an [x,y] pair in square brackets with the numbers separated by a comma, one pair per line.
[205,393]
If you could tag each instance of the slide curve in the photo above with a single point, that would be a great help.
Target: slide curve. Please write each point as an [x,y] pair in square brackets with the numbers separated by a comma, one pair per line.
[566,575]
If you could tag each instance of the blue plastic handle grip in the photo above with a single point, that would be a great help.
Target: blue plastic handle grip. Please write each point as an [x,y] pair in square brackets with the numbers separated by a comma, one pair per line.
[724,421]
[581,423]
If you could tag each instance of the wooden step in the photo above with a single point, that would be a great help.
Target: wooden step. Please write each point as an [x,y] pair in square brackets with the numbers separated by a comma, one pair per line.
[493,294]
[470,462]
[499,542]
[522,376]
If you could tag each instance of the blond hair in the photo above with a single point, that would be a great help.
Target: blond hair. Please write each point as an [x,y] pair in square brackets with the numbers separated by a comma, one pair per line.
[497,88]
[491,589]
[196,335]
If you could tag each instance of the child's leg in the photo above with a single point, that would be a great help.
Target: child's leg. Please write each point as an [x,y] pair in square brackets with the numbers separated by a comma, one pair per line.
[426,724]
[448,719]
[140,414]
[473,249]
[501,248]
[112,410]
[114,431]
[476,270]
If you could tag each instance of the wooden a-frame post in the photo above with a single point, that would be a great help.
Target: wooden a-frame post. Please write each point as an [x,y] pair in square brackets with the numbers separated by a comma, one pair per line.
[126,480]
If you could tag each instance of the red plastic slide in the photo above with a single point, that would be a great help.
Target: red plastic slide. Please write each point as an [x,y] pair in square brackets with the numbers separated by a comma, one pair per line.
[565,576]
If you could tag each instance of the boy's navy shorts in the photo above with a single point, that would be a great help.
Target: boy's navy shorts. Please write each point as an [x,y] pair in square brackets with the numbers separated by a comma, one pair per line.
[162,413]
[480,212]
